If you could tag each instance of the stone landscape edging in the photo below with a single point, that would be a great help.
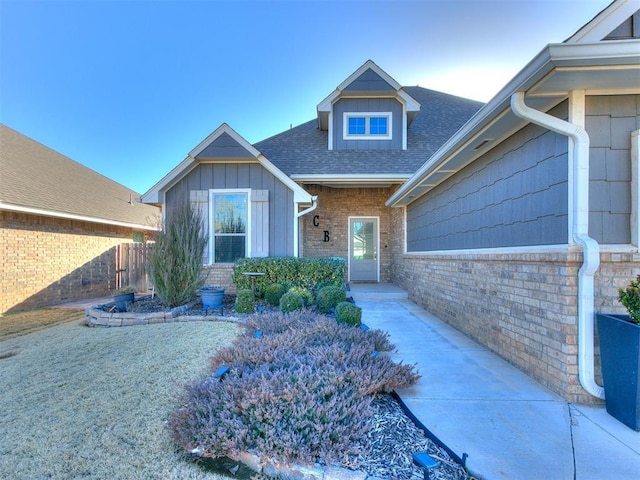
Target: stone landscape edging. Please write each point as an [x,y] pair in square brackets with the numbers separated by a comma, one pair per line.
[97,317]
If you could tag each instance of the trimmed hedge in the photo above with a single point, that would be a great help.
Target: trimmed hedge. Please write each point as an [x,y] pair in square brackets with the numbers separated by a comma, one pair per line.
[273,293]
[245,301]
[330,297]
[299,272]
[348,313]
[290,302]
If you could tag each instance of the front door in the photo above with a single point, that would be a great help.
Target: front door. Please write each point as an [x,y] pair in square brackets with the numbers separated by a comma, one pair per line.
[363,249]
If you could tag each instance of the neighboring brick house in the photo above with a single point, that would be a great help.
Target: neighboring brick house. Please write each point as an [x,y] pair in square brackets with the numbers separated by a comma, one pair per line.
[60,226]
[490,220]
[527,219]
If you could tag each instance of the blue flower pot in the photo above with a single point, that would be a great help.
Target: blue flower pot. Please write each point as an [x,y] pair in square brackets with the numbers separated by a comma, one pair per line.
[212,297]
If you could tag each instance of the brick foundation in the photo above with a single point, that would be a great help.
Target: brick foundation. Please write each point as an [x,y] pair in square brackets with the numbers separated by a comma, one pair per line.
[520,305]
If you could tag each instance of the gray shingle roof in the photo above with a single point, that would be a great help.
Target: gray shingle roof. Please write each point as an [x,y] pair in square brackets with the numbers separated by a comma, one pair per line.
[33,176]
[302,150]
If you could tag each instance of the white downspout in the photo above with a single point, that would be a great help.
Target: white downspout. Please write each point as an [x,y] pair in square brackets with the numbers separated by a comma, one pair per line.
[590,248]
[296,235]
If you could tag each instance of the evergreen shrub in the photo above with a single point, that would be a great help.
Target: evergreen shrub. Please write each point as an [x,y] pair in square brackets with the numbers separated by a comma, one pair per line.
[175,261]
[302,392]
[329,297]
[290,302]
[273,293]
[245,301]
[306,294]
[300,272]
[348,313]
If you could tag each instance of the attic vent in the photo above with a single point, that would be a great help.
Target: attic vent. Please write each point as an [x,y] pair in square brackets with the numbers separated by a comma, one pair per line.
[482,144]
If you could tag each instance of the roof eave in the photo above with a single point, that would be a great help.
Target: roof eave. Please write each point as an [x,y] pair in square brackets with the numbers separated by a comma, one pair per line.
[538,71]
[71,216]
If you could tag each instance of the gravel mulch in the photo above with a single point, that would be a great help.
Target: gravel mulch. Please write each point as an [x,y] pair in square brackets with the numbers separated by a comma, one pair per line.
[93,402]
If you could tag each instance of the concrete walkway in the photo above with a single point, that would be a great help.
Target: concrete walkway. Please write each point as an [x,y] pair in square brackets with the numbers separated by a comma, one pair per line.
[474,402]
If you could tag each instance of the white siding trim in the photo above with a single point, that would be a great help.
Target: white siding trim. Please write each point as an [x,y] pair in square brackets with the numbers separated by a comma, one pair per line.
[635,188]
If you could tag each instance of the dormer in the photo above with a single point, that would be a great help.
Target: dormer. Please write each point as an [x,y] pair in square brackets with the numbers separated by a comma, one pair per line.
[368,111]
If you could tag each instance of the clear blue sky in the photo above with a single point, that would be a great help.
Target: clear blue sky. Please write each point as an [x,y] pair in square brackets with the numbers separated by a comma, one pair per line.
[128,87]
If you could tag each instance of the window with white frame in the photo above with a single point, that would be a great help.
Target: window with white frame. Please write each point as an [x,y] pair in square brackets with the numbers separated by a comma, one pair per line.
[229,225]
[367,126]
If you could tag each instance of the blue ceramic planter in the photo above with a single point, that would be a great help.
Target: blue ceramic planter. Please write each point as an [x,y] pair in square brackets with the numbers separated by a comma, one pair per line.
[620,356]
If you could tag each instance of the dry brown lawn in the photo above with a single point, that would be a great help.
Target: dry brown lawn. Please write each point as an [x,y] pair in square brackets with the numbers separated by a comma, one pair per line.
[22,323]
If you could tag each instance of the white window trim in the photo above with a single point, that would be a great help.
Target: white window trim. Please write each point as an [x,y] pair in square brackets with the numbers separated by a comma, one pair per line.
[247,234]
[367,116]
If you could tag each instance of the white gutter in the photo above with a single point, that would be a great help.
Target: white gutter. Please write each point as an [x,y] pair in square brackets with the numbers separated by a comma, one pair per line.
[296,234]
[590,248]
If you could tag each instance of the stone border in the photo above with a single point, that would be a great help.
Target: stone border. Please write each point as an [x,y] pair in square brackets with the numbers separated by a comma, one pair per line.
[97,317]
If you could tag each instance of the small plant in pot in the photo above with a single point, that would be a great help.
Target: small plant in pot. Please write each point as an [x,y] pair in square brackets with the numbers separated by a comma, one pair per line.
[620,355]
[123,297]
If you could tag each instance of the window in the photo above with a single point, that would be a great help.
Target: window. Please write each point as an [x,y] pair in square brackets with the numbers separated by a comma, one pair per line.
[230,220]
[367,126]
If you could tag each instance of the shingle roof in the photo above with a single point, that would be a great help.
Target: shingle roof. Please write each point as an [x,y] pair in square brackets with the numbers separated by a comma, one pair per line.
[303,150]
[35,178]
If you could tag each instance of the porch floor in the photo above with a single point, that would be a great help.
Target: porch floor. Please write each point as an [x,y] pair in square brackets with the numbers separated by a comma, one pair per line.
[476,403]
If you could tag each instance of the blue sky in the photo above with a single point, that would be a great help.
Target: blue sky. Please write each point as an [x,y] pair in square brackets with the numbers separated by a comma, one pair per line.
[128,87]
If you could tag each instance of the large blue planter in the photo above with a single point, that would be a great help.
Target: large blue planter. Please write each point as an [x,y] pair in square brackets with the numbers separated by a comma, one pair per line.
[123,300]
[620,356]
[212,297]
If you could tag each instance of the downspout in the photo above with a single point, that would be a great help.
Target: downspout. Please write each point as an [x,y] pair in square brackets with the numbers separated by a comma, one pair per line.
[590,248]
[296,240]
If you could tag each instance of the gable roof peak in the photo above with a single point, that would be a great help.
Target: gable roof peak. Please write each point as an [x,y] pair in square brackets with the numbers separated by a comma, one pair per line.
[605,22]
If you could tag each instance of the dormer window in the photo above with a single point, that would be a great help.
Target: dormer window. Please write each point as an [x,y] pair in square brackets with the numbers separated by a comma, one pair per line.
[367,126]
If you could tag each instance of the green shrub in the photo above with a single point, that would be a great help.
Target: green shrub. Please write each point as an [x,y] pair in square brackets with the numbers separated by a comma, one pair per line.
[302,392]
[273,293]
[300,272]
[307,296]
[330,297]
[630,299]
[245,301]
[175,261]
[290,302]
[348,313]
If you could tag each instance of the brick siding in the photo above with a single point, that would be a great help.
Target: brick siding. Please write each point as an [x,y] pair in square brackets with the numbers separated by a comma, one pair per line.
[523,306]
[48,261]
[335,206]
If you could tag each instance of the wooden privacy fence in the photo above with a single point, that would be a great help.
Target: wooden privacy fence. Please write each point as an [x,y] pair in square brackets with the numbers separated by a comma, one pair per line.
[131,266]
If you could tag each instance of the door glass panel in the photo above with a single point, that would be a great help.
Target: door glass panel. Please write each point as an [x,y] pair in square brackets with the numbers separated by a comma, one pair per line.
[362,241]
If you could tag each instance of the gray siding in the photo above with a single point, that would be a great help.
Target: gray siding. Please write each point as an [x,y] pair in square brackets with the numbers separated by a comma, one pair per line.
[515,195]
[232,175]
[609,122]
[367,105]
[369,81]
[224,147]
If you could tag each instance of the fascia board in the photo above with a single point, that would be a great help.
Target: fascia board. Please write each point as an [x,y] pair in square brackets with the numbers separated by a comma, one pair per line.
[611,52]
[410,102]
[153,194]
[300,195]
[224,128]
[369,64]
[605,22]
[70,216]
[352,178]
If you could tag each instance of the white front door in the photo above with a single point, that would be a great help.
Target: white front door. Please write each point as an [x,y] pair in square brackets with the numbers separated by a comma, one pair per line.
[363,249]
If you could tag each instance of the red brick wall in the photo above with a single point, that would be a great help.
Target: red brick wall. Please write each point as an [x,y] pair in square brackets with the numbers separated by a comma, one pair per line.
[47,261]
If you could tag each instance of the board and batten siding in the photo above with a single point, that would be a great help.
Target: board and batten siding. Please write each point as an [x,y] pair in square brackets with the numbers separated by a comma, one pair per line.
[609,123]
[367,105]
[515,195]
[278,202]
